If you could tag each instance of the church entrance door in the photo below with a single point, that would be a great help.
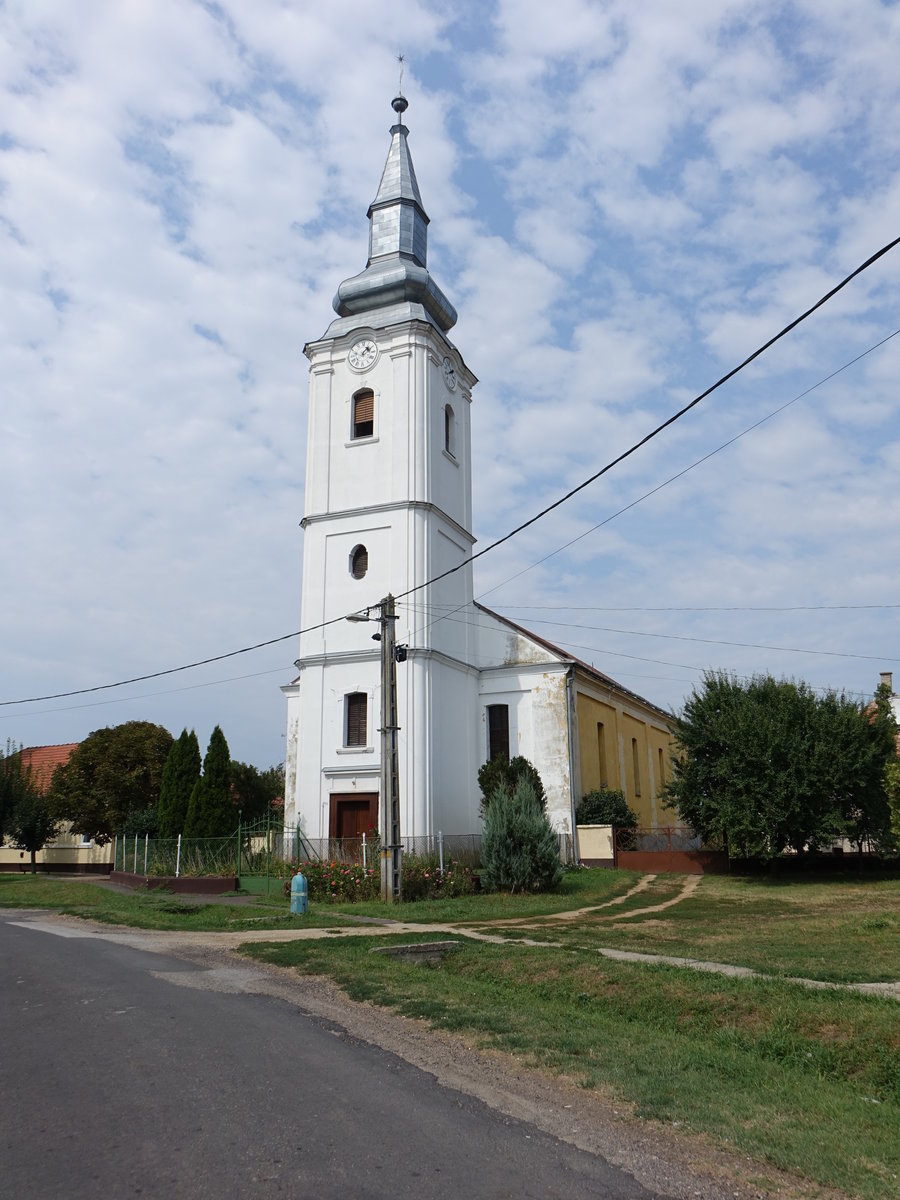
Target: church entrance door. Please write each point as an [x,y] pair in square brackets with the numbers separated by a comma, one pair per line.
[353,815]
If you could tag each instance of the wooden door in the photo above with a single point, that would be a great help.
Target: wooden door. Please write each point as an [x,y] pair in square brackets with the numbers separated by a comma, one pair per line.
[353,815]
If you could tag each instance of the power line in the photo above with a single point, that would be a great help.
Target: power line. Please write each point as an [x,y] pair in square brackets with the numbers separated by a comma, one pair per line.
[665,483]
[643,658]
[659,428]
[679,474]
[142,696]
[718,641]
[102,687]
[693,608]
[513,532]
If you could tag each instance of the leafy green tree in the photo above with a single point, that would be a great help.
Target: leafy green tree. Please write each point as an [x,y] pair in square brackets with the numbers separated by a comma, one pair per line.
[892,788]
[256,792]
[32,821]
[181,772]
[606,806]
[113,780]
[11,782]
[211,811]
[519,849]
[767,766]
[25,812]
[505,773]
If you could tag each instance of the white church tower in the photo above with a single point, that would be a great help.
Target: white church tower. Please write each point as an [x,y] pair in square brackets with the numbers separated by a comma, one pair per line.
[388,507]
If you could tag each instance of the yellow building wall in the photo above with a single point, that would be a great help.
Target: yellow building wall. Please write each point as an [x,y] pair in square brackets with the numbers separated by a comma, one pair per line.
[67,851]
[630,750]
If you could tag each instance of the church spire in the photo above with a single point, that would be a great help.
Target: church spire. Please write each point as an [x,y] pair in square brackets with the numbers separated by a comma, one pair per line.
[396,271]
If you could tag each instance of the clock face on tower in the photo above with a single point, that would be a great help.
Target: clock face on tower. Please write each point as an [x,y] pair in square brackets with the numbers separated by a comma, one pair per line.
[362,354]
[449,373]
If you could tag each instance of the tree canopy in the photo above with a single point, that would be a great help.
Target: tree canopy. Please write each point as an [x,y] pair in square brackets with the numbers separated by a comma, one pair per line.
[25,812]
[767,766]
[211,811]
[112,780]
[255,792]
[181,772]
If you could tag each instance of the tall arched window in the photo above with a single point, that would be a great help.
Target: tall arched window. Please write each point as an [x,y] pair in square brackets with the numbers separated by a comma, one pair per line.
[364,413]
[359,562]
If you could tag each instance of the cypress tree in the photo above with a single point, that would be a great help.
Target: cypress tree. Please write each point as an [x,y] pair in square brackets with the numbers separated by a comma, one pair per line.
[181,772]
[211,811]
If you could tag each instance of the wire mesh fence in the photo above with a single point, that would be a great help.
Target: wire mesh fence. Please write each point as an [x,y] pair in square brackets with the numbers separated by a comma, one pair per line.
[263,855]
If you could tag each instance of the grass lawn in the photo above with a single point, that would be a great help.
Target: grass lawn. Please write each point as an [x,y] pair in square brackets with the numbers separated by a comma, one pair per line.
[842,930]
[152,910]
[808,1081]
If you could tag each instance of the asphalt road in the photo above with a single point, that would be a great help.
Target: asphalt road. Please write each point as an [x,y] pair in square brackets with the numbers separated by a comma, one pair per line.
[116,1081]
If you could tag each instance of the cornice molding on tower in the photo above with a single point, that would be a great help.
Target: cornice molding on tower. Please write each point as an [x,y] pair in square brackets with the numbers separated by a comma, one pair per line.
[393,506]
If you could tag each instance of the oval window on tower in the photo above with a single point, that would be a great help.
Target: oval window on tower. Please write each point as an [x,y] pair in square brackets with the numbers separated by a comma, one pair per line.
[359,562]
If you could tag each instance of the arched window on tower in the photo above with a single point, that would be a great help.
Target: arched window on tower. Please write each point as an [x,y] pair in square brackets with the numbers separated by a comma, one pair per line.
[364,413]
[359,562]
[449,430]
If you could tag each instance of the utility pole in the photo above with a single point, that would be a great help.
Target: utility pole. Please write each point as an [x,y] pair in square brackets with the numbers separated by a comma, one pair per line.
[391,847]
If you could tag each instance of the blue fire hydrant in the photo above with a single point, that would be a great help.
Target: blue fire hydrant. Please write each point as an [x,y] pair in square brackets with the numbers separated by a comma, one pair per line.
[299,895]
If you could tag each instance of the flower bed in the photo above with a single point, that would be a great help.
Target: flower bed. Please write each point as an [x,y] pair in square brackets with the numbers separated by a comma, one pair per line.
[423,879]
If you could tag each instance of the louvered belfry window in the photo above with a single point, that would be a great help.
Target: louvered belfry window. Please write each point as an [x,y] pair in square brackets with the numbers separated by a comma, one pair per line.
[364,414]
[356,704]
[359,562]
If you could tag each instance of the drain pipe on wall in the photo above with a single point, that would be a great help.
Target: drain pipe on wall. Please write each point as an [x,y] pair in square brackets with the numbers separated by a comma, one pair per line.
[570,681]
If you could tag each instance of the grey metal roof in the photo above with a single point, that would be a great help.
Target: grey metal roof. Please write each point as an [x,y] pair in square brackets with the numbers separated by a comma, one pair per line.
[396,270]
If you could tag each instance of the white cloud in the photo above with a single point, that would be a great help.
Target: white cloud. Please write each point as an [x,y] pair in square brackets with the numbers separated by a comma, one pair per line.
[625,200]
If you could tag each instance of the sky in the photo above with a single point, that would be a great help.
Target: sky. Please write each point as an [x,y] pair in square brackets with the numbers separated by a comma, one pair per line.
[625,201]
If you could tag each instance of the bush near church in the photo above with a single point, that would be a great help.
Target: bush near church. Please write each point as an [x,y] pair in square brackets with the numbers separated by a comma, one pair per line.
[505,773]
[606,806]
[519,848]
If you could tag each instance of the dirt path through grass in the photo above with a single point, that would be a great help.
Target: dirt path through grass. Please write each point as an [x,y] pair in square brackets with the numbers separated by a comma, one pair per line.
[691,883]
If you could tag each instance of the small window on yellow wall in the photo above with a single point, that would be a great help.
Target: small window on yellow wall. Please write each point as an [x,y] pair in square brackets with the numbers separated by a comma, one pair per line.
[636,762]
[364,413]
[601,755]
[662,770]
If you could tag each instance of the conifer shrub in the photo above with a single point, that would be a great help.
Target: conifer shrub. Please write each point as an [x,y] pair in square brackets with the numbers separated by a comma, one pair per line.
[519,849]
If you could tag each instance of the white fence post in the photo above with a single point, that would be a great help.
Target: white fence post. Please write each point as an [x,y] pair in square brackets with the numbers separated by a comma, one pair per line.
[178,857]
[441,849]
[134,864]
[146,849]
[364,851]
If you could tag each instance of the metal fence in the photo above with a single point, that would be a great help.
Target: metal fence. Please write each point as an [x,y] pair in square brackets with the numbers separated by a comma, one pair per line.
[145,855]
[665,838]
[268,850]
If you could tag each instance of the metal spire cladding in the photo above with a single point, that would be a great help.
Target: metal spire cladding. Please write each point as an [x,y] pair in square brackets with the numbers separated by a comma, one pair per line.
[396,271]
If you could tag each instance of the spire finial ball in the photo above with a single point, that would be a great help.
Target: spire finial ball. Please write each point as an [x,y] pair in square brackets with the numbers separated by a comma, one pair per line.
[399,104]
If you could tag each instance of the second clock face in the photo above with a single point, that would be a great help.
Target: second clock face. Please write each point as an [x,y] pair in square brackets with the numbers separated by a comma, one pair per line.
[362,354]
[449,374]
